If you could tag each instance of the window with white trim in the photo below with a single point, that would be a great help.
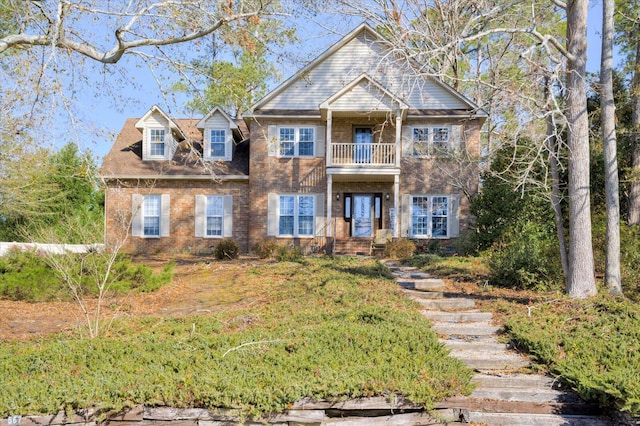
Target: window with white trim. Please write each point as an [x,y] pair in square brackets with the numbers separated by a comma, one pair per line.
[151,212]
[296,141]
[428,141]
[157,142]
[296,215]
[214,216]
[218,143]
[429,216]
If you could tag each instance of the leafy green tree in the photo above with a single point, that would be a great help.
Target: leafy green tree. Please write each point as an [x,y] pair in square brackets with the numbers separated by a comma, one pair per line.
[233,85]
[41,189]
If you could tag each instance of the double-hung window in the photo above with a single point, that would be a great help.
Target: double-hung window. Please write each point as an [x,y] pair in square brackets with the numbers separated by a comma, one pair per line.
[157,142]
[296,141]
[151,216]
[296,215]
[214,216]
[428,141]
[429,216]
[218,143]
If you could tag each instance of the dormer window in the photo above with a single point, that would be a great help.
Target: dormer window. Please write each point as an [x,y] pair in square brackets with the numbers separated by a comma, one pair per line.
[218,143]
[157,143]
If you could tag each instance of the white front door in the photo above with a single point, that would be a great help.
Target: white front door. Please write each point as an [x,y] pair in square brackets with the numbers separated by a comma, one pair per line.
[362,216]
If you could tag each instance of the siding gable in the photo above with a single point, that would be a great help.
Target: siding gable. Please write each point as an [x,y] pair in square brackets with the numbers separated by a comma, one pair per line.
[363,53]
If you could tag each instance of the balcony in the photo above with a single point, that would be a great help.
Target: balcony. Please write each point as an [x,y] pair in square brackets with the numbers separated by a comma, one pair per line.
[364,155]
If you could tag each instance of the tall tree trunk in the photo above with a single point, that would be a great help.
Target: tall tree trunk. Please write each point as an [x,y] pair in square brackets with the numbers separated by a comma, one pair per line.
[607,111]
[634,195]
[581,281]
[554,154]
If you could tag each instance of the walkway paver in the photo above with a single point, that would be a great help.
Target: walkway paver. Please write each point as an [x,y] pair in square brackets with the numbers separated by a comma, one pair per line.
[505,394]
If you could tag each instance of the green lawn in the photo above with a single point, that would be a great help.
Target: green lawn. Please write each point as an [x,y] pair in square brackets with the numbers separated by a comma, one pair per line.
[326,328]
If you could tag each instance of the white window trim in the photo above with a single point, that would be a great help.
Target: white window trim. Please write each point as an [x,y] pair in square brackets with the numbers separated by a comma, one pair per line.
[150,143]
[296,141]
[207,216]
[430,143]
[208,144]
[201,216]
[137,222]
[430,217]
[296,223]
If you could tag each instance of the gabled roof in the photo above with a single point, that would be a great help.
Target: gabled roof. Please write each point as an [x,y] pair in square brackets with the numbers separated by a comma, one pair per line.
[362,27]
[368,32]
[124,160]
[201,124]
[155,109]
[373,90]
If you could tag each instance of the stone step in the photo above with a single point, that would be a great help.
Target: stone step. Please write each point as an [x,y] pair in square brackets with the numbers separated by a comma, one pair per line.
[458,317]
[449,304]
[468,406]
[489,364]
[481,346]
[428,294]
[515,381]
[466,329]
[534,395]
[428,284]
[508,419]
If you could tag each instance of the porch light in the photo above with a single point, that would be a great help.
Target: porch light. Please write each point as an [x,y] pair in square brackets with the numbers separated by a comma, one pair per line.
[337,196]
[386,196]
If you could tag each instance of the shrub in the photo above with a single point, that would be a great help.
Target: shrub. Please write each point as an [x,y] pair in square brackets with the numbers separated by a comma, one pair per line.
[400,249]
[525,258]
[227,248]
[429,246]
[288,253]
[266,248]
[24,275]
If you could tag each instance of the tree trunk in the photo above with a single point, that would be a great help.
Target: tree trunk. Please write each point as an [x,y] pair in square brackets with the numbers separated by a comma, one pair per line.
[555,183]
[581,281]
[634,194]
[607,111]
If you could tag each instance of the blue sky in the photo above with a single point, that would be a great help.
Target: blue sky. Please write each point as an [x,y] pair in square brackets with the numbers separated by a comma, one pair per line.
[134,89]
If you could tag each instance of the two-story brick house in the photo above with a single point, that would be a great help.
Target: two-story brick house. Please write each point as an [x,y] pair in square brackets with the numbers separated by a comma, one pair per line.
[352,144]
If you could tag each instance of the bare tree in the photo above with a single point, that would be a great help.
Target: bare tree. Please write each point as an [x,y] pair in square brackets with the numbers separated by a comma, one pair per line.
[607,107]
[427,34]
[67,24]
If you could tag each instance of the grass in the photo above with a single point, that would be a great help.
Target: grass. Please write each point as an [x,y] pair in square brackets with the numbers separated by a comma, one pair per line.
[322,328]
[592,345]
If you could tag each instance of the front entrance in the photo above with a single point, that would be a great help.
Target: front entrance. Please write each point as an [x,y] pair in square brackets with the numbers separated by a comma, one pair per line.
[362,216]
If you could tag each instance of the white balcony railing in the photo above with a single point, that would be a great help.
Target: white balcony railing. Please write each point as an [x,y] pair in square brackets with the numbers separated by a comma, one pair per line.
[362,154]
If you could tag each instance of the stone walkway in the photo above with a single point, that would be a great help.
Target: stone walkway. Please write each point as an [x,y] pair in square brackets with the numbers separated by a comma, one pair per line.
[505,394]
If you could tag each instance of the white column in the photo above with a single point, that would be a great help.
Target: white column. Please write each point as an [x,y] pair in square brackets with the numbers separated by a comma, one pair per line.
[398,136]
[328,148]
[328,231]
[396,205]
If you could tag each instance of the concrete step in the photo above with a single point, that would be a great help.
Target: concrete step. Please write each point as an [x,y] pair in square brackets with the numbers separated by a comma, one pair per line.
[533,395]
[457,317]
[490,364]
[509,419]
[515,381]
[428,284]
[466,328]
[467,406]
[428,294]
[449,304]
[487,345]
